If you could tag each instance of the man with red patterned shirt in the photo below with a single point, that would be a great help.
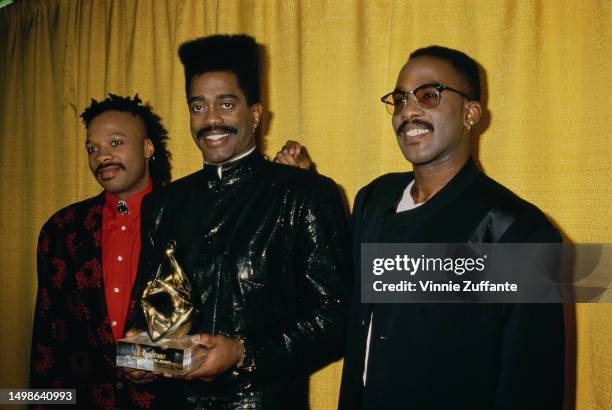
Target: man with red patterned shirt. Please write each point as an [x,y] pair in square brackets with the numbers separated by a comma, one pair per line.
[88,257]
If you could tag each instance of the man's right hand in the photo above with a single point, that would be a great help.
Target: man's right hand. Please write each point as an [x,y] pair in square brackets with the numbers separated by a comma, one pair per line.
[138,376]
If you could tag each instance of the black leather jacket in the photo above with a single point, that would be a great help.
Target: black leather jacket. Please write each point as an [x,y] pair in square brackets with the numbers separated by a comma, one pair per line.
[267,249]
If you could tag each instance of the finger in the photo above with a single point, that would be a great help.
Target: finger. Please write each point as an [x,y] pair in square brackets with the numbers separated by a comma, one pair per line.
[201,373]
[132,373]
[135,374]
[132,332]
[280,158]
[205,339]
[146,379]
[141,377]
[293,162]
[296,149]
[199,352]
[304,161]
[294,145]
[287,159]
[196,338]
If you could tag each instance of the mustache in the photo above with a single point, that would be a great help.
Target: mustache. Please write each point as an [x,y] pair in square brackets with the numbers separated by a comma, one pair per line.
[109,164]
[407,123]
[205,130]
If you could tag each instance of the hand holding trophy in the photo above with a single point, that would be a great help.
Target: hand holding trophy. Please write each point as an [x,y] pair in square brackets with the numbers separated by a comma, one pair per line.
[168,309]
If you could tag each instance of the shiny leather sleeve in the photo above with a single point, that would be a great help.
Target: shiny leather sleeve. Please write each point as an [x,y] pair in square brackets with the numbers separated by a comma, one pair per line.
[146,260]
[321,255]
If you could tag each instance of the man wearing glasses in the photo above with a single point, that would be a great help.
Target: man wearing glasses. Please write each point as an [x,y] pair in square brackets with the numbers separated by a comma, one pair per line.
[447,356]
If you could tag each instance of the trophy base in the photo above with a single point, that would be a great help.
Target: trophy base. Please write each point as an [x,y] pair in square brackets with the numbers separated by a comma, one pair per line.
[175,356]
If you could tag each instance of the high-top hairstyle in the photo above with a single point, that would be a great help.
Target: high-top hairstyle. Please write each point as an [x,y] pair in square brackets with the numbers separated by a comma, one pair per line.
[159,164]
[234,53]
[463,64]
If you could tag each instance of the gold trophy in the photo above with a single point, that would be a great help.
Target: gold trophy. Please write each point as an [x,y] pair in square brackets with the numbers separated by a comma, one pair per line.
[168,309]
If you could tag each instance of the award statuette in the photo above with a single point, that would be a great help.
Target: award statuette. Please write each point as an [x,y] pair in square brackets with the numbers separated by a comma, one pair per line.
[168,309]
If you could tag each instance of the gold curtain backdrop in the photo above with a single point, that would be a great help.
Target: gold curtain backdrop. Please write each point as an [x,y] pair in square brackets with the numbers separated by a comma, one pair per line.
[546,135]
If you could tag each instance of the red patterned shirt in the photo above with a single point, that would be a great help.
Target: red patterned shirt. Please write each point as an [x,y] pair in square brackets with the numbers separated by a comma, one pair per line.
[120,252]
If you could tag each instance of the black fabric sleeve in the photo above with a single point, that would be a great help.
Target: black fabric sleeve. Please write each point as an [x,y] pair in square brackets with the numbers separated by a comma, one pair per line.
[49,339]
[532,361]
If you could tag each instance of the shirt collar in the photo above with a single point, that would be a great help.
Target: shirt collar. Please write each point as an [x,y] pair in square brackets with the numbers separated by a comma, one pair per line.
[224,165]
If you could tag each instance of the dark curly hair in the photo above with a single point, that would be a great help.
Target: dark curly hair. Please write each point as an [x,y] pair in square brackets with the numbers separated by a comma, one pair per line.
[237,53]
[159,164]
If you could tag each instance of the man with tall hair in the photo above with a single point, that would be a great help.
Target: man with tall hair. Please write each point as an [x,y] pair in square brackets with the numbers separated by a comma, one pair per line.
[265,245]
[445,356]
[88,257]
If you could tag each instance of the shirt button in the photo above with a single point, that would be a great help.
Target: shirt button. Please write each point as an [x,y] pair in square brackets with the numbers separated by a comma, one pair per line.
[123,228]
[114,323]
[116,290]
[119,258]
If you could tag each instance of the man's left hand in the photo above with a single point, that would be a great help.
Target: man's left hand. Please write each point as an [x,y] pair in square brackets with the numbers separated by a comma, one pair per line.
[138,376]
[223,354]
[294,154]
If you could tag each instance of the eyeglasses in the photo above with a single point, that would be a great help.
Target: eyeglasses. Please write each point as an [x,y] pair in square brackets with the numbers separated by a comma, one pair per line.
[427,96]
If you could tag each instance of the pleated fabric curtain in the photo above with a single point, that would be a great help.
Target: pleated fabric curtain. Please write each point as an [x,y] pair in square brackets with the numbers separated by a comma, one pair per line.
[546,133]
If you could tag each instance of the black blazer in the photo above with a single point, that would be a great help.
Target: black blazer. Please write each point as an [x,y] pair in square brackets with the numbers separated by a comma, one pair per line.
[443,356]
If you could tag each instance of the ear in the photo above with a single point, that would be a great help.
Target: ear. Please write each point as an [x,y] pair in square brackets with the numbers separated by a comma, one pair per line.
[472,111]
[256,110]
[149,148]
